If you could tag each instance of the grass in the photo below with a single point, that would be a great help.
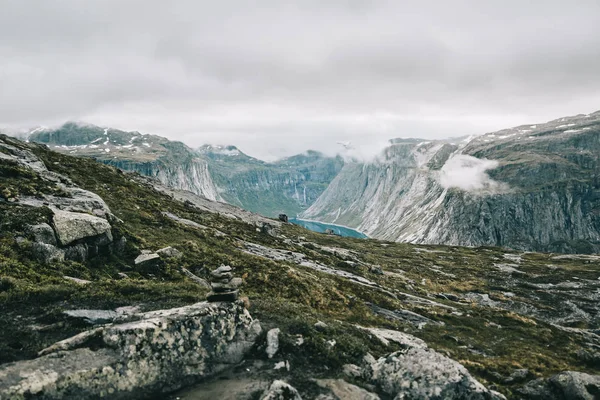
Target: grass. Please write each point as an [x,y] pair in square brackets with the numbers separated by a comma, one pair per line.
[281,294]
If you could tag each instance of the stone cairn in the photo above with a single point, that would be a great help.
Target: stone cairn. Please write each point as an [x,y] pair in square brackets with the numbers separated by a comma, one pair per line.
[224,286]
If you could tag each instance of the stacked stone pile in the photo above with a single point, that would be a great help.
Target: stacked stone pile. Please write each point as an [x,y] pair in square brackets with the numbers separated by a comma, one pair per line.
[224,286]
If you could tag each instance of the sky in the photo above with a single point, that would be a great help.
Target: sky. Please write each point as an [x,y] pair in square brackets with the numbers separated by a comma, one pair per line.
[276,77]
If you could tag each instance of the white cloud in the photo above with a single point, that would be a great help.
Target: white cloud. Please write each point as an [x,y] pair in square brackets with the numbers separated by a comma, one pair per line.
[469,174]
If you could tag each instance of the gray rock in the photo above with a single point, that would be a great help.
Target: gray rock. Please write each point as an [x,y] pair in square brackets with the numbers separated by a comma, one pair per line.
[575,385]
[233,284]
[321,326]
[564,386]
[376,269]
[93,317]
[518,375]
[538,389]
[43,233]
[279,390]
[71,226]
[272,342]
[345,391]
[195,278]
[78,281]
[161,352]
[223,296]
[147,259]
[418,373]
[352,371]
[387,335]
[169,252]
[79,252]
[47,253]
[218,273]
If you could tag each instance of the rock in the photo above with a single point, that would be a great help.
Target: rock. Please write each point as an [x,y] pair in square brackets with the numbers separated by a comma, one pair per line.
[422,373]
[282,365]
[272,342]
[79,252]
[577,385]
[72,226]
[127,310]
[169,252]
[345,391]
[43,233]
[387,335]
[321,326]
[352,371]
[279,390]
[195,278]
[120,245]
[225,296]
[226,287]
[518,375]
[283,217]
[223,270]
[147,260]
[78,281]
[563,386]
[161,352]
[47,253]
[376,269]
[123,275]
[93,317]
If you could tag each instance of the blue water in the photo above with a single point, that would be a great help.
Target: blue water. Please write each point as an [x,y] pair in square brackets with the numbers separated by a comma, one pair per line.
[320,227]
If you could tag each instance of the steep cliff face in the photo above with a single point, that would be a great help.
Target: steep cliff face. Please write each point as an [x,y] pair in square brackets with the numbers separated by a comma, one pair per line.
[532,188]
[287,186]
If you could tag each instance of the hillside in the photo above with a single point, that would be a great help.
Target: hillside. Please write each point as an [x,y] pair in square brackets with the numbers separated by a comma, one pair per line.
[534,187]
[508,317]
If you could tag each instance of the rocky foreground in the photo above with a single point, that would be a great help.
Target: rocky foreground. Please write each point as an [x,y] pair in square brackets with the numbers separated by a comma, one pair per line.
[104,277]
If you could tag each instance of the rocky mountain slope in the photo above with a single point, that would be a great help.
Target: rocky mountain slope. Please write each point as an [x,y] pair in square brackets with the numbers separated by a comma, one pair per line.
[220,173]
[534,187]
[92,260]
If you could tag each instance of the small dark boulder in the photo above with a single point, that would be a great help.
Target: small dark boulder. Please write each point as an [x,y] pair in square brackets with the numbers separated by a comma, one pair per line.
[283,217]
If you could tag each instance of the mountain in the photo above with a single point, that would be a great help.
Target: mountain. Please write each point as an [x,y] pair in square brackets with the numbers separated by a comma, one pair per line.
[173,163]
[222,173]
[286,186]
[104,280]
[533,187]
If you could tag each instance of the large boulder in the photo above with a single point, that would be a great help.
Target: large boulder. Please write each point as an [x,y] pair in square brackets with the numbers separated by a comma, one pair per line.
[418,372]
[280,390]
[156,352]
[71,226]
[568,385]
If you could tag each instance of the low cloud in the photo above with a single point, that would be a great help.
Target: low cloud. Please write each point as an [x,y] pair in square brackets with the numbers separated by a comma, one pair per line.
[469,174]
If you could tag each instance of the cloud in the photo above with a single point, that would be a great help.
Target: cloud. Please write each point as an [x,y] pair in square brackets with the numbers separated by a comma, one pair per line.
[469,174]
[303,73]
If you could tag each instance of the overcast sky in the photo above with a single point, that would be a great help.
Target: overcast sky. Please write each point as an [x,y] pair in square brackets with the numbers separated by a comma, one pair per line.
[278,77]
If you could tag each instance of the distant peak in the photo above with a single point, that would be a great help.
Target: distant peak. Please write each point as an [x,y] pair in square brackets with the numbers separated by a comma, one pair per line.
[226,150]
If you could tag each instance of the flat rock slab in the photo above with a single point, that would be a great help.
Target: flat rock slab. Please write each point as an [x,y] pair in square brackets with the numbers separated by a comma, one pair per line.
[93,317]
[344,390]
[158,353]
[71,226]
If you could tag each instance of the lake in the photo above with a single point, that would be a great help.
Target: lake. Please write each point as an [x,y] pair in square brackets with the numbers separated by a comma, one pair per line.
[320,227]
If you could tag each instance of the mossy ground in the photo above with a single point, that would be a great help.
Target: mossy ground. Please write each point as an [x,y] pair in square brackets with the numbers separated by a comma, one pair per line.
[490,341]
